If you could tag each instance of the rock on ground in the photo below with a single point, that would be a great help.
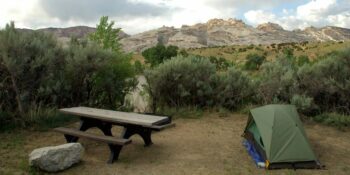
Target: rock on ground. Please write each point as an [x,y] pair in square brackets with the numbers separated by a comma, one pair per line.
[56,158]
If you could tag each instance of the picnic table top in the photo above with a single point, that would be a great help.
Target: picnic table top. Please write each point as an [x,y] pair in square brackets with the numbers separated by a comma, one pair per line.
[115,116]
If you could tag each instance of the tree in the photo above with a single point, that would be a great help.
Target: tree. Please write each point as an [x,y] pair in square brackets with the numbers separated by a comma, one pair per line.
[254,61]
[106,35]
[156,55]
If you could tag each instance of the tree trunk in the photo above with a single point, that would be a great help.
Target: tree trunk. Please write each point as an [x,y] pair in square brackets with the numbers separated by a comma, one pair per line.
[18,99]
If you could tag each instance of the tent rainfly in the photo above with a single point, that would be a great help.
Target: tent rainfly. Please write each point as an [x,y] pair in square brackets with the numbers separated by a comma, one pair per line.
[277,134]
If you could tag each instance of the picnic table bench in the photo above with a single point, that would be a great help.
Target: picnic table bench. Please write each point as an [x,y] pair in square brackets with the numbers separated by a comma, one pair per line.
[133,123]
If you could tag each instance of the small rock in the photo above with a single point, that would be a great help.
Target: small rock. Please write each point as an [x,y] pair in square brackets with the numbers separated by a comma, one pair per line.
[56,158]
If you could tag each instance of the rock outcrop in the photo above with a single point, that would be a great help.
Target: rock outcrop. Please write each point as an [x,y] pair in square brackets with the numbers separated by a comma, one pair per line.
[219,32]
[215,32]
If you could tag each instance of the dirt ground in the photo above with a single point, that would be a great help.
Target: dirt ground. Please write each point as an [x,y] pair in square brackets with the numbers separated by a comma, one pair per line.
[209,145]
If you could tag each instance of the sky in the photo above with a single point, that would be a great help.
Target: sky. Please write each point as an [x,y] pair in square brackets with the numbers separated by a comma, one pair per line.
[135,16]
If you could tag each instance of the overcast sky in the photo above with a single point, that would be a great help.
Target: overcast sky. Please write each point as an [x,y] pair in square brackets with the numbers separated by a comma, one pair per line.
[135,16]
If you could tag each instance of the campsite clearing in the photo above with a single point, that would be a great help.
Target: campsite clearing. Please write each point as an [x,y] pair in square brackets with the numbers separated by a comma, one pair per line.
[209,145]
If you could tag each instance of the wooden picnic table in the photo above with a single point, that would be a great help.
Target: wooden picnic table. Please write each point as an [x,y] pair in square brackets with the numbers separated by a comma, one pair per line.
[133,123]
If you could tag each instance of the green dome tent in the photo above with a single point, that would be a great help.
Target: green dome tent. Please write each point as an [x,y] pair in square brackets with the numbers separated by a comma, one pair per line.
[278,135]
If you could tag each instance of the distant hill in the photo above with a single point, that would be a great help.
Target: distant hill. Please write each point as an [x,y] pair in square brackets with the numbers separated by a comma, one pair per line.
[64,34]
[219,32]
[215,32]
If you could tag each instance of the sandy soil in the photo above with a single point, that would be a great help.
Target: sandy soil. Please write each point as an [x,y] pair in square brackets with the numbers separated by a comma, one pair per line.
[210,145]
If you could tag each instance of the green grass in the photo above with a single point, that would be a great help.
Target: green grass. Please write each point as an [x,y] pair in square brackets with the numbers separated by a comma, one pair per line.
[334,119]
[40,119]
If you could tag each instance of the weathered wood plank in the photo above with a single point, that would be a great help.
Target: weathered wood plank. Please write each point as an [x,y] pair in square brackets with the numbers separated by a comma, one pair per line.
[161,127]
[101,138]
[116,116]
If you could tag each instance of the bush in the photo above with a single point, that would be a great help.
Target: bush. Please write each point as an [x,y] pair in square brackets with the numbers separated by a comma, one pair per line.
[221,63]
[182,81]
[328,82]
[277,82]
[232,88]
[193,81]
[30,68]
[97,77]
[334,119]
[303,59]
[304,104]
[158,54]
[35,71]
[254,61]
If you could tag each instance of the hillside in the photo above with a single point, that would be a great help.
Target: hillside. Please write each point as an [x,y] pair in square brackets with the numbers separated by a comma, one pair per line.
[238,53]
[219,32]
[215,32]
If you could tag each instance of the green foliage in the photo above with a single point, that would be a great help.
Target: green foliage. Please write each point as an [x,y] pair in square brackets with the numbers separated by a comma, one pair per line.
[193,81]
[105,35]
[139,68]
[277,81]
[328,82]
[334,119]
[30,64]
[304,104]
[35,71]
[221,63]
[288,53]
[182,81]
[303,59]
[97,77]
[232,88]
[254,61]
[158,54]
[183,52]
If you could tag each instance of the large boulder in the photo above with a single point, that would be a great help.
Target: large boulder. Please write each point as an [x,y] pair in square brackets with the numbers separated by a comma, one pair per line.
[56,158]
[139,99]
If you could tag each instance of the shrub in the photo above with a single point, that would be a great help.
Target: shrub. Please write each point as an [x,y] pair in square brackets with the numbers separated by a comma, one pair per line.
[254,61]
[36,71]
[334,119]
[221,63]
[304,104]
[139,68]
[328,82]
[30,66]
[277,81]
[303,59]
[182,81]
[232,88]
[158,54]
[193,81]
[97,77]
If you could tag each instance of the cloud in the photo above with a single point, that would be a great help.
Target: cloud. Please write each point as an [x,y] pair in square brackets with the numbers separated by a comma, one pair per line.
[135,16]
[87,10]
[259,16]
[313,13]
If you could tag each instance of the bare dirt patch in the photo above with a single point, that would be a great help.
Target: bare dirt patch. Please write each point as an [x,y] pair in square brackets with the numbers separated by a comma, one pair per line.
[209,145]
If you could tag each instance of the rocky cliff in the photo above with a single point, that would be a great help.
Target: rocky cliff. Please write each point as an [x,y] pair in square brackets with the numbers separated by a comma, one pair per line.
[219,32]
[215,32]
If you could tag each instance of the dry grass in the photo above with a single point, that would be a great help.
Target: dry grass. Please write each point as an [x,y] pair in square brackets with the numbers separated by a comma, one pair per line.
[313,50]
[209,145]
[231,53]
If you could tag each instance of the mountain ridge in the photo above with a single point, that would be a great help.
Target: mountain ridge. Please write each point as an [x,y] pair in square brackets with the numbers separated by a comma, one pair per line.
[215,32]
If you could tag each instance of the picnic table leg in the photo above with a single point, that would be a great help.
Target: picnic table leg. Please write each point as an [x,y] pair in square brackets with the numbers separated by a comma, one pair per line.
[115,150]
[145,133]
[86,124]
